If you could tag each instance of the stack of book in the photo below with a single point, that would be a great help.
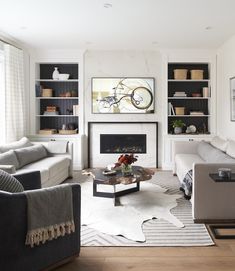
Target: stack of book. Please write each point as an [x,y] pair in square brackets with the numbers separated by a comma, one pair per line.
[180,94]
[75,110]
[197,113]
[51,111]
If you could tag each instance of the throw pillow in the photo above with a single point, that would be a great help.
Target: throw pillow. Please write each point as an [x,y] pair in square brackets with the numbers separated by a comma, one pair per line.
[231,148]
[219,143]
[212,155]
[9,183]
[22,143]
[9,158]
[30,154]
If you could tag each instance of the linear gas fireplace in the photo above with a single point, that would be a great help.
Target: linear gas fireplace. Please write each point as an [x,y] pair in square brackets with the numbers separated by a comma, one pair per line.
[122,143]
[107,140]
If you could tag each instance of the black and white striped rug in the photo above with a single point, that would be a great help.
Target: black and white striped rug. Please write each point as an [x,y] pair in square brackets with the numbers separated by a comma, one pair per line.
[158,232]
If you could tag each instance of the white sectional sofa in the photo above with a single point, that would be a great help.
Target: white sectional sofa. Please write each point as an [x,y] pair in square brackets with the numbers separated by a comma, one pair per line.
[23,156]
[211,201]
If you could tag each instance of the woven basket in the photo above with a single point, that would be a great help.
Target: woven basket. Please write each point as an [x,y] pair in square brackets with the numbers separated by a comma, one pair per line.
[179,110]
[196,74]
[47,92]
[68,132]
[180,74]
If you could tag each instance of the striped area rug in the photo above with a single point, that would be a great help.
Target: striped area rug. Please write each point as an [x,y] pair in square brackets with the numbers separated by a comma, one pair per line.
[158,232]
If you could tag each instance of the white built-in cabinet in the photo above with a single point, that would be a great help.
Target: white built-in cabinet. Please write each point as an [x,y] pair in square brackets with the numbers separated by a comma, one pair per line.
[171,61]
[42,65]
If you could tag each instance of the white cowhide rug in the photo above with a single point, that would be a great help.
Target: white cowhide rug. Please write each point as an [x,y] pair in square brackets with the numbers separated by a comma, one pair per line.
[127,219]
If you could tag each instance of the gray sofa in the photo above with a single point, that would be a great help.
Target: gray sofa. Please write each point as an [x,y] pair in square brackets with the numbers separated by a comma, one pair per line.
[14,254]
[210,200]
[23,156]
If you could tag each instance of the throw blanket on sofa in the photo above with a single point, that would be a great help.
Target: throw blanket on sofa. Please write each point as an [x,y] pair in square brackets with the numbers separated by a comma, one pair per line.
[50,214]
[187,184]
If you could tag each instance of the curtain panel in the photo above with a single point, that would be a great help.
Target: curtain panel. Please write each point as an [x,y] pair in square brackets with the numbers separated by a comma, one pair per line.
[15,100]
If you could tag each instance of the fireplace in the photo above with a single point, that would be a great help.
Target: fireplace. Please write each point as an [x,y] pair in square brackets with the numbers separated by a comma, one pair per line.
[107,140]
[122,143]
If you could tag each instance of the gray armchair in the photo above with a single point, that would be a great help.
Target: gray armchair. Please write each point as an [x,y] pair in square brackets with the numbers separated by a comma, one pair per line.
[14,254]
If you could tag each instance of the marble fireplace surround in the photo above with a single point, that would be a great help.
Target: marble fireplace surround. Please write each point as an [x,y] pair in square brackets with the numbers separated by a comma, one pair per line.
[96,159]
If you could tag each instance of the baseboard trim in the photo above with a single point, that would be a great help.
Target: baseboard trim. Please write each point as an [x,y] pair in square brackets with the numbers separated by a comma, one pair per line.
[62,262]
[214,221]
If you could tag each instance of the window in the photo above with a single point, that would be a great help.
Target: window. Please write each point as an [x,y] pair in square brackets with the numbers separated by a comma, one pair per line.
[2,98]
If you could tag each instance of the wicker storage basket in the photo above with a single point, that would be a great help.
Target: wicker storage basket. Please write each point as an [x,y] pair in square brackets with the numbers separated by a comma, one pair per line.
[196,74]
[180,74]
[179,110]
[47,92]
[68,132]
[47,131]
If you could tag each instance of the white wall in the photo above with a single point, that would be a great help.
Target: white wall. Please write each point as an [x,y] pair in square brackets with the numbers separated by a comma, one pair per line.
[225,70]
[125,64]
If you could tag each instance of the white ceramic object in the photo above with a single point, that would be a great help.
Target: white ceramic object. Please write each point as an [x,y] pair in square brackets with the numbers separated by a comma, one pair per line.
[55,74]
[63,76]
[193,128]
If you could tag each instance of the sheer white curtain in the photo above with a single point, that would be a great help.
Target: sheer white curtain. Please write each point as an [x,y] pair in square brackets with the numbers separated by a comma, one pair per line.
[15,113]
[2,97]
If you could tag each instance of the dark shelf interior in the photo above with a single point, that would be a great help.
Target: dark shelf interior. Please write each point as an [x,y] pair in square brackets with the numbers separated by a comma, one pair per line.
[188,66]
[46,70]
[189,87]
[59,88]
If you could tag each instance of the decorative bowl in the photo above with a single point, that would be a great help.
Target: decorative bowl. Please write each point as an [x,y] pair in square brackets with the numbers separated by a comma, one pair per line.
[63,76]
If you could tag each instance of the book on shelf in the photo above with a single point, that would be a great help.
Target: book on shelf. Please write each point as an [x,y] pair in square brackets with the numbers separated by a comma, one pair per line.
[76,110]
[180,94]
[197,113]
[51,113]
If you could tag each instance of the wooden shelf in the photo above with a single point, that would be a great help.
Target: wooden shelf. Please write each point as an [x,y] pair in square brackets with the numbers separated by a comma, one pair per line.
[52,80]
[188,80]
[57,98]
[197,116]
[59,116]
[189,98]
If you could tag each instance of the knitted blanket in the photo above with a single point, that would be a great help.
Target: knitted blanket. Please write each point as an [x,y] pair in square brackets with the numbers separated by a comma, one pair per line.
[50,214]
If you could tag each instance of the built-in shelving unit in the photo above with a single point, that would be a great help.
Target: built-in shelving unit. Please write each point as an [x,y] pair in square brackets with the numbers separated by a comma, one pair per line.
[65,95]
[190,103]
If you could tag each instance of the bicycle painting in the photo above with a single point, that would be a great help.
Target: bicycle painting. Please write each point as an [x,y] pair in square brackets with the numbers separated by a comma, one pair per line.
[123,95]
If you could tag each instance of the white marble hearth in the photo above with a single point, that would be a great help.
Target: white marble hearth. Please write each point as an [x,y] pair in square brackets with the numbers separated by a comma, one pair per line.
[98,159]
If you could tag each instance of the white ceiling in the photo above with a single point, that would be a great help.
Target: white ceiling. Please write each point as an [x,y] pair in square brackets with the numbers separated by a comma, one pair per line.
[128,24]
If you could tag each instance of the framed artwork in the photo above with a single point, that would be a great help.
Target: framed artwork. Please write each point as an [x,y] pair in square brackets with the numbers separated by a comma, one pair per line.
[122,95]
[232,98]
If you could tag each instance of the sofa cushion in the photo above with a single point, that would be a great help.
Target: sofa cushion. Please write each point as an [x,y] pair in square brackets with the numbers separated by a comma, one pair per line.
[231,148]
[30,154]
[184,163]
[9,158]
[9,183]
[22,143]
[212,155]
[49,167]
[219,143]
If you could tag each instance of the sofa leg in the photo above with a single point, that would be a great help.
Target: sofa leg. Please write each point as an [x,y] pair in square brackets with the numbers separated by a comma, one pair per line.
[174,174]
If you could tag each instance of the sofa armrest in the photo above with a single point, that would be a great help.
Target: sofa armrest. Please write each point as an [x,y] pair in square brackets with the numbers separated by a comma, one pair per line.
[8,168]
[15,255]
[30,180]
[212,200]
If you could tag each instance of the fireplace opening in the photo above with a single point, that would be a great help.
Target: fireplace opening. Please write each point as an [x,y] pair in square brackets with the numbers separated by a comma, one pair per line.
[122,143]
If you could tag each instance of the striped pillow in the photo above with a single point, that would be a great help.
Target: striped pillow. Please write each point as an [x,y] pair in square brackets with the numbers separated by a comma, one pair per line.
[9,183]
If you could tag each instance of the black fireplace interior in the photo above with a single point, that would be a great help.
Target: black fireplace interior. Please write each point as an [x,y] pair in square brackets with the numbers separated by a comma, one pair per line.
[122,143]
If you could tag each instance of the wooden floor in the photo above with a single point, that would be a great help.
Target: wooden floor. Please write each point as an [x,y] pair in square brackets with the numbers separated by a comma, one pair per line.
[216,258]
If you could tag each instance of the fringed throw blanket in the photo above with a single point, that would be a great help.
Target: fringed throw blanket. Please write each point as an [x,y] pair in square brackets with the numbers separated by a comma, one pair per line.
[50,214]
[186,186]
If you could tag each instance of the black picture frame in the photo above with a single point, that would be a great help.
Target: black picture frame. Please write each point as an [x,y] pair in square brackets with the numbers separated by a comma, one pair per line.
[232,98]
[123,95]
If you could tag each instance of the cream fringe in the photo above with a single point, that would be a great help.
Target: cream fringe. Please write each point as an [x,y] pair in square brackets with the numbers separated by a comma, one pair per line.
[34,237]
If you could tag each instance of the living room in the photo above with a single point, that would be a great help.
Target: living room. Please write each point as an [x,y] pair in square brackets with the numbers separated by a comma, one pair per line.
[118,135]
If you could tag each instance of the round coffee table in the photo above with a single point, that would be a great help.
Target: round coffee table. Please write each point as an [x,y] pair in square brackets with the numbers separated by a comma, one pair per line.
[140,174]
